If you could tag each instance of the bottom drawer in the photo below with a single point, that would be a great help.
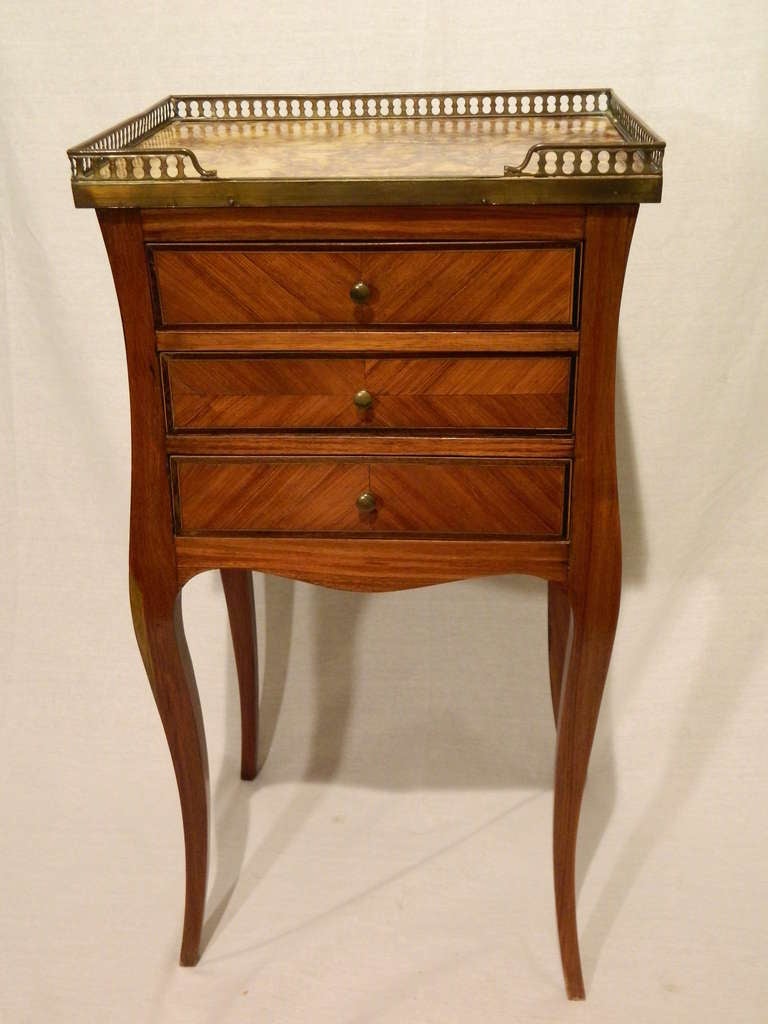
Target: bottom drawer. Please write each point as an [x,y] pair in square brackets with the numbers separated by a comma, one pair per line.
[436,497]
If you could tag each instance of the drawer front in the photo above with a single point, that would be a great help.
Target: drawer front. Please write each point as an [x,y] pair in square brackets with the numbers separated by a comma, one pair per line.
[440,497]
[525,285]
[529,393]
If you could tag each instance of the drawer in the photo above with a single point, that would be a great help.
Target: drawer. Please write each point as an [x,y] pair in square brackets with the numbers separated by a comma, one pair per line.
[529,393]
[494,497]
[524,284]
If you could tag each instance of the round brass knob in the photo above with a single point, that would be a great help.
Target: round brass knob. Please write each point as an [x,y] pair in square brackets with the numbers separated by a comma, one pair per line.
[360,292]
[366,502]
[363,399]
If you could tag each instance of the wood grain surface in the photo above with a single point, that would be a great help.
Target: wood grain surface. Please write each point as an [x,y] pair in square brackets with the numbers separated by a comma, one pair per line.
[238,593]
[363,564]
[372,223]
[420,496]
[154,587]
[370,445]
[505,393]
[594,577]
[558,625]
[379,340]
[408,286]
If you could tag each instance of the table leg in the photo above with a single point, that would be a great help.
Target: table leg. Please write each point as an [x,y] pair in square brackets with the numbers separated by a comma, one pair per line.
[154,586]
[594,570]
[559,621]
[156,610]
[595,614]
[238,591]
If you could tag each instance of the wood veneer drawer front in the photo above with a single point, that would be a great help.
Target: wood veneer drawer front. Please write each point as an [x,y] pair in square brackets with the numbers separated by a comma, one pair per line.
[529,393]
[441,497]
[525,284]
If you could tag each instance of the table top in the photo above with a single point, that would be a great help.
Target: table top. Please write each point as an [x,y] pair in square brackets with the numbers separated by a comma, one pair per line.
[487,147]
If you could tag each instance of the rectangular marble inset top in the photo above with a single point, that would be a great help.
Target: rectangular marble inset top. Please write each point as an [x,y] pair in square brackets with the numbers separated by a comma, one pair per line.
[413,147]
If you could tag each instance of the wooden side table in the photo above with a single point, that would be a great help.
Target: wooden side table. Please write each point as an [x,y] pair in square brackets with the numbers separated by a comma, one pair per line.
[371,345]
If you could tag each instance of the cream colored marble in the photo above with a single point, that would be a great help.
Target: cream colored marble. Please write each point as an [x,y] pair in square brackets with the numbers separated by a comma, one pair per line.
[382,148]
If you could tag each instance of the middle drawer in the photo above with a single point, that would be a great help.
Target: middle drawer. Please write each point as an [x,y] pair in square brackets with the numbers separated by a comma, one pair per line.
[235,393]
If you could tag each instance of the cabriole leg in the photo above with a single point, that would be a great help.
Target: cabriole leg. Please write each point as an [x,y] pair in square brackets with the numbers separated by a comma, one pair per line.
[159,629]
[594,564]
[595,614]
[155,592]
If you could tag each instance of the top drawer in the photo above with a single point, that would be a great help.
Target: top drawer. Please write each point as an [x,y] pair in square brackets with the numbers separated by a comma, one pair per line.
[523,284]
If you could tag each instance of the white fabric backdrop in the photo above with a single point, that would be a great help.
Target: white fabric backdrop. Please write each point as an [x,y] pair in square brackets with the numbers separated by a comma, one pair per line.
[392,863]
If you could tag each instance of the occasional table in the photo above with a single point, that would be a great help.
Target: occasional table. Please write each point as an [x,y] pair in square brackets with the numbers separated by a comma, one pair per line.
[371,345]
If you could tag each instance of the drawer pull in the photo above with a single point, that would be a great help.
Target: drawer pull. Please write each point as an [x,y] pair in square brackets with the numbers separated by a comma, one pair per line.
[360,292]
[366,502]
[363,399]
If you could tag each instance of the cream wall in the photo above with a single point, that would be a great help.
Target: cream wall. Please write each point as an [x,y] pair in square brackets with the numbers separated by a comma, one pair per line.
[392,864]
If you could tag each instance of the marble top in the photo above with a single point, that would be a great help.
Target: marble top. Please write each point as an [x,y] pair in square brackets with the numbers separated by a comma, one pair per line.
[411,147]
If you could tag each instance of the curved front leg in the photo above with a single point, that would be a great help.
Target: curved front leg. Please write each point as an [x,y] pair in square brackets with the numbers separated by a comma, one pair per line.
[595,614]
[594,570]
[154,586]
[238,591]
[160,633]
